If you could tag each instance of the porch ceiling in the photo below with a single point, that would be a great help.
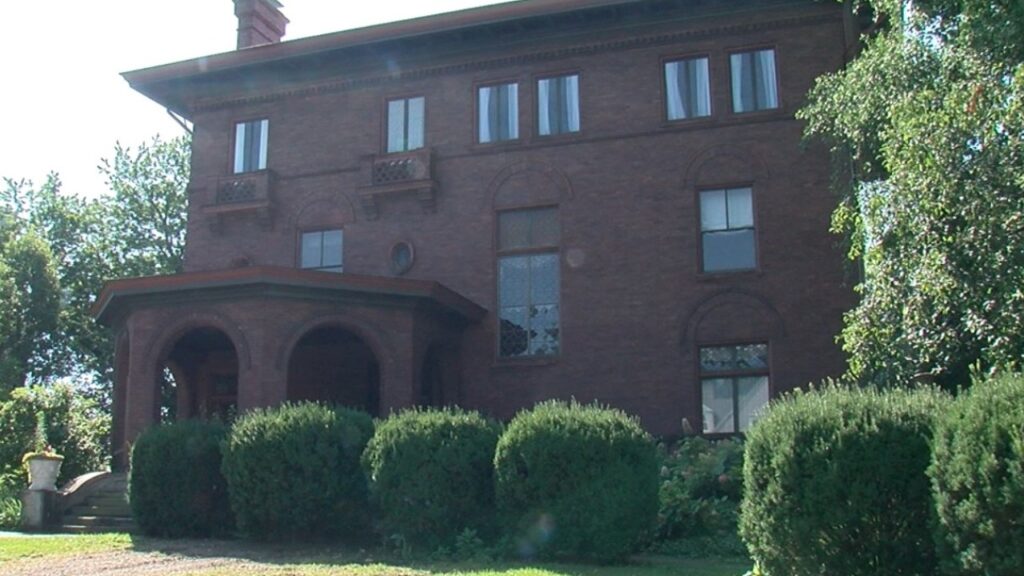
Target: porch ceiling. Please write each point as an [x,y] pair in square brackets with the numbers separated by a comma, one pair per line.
[120,296]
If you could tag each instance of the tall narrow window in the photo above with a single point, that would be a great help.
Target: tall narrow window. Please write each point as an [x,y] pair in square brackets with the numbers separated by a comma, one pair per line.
[687,90]
[528,283]
[753,81]
[251,146]
[498,108]
[734,386]
[727,229]
[322,250]
[405,124]
[558,105]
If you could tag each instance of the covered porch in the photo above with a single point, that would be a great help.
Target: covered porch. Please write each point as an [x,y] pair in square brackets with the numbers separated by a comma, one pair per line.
[215,344]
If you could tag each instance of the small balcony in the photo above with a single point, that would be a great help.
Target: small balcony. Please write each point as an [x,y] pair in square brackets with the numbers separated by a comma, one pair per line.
[409,174]
[250,192]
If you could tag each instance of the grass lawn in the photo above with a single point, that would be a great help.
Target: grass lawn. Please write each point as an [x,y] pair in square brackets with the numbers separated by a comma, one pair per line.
[274,560]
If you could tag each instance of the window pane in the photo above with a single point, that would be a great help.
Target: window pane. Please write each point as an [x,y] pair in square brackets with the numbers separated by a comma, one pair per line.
[311,249]
[416,116]
[544,330]
[753,397]
[558,110]
[396,126]
[713,213]
[262,153]
[753,81]
[687,89]
[734,358]
[544,229]
[483,114]
[728,250]
[332,251]
[544,279]
[513,338]
[740,207]
[510,112]
[514,281]
[717,406]
[239,148]
[514,230]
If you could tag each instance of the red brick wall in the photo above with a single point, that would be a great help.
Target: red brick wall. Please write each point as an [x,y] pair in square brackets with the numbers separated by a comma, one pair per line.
[634,303]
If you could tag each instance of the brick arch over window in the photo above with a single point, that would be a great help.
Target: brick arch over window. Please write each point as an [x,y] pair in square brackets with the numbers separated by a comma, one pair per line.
[731,316]
[325,212]
[529,184]
[726,164]
[161,347]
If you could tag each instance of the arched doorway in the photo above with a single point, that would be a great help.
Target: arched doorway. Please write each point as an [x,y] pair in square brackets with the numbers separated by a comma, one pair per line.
[199,377]
[332,365]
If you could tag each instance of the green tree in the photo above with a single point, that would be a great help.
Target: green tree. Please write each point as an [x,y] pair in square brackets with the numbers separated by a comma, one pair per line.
[146,212]
[927,128]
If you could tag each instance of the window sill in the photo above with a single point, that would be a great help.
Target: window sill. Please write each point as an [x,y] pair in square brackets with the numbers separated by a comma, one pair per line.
[525,362]
[725,275]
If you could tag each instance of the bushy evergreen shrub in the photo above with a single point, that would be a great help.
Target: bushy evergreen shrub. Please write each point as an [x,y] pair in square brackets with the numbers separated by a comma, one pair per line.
[576,481]
[977,474]
[176,488]
[76,429]
[699,498]
[835,483]
[294,471]
[432,475]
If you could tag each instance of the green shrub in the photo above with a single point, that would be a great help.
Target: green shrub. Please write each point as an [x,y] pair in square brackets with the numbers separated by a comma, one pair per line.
[76,429]
[576,481]
[701,487]
[835,483]
[176,488]
[294,472]
[11,486]
[432,474]
[977,474]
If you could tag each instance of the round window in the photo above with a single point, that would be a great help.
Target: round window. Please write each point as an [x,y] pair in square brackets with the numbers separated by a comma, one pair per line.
[402,256]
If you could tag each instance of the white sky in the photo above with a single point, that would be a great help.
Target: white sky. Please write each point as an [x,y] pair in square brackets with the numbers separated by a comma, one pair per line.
[63,104]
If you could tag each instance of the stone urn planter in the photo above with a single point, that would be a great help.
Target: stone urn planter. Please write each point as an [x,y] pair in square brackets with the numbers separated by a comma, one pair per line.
[43,469]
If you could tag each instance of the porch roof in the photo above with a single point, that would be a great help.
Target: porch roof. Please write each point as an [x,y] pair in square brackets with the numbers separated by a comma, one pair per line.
[120,295]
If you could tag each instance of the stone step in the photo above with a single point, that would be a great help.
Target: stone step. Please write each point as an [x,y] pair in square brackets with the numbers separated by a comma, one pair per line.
[109,522]
[99,510]
[82,529]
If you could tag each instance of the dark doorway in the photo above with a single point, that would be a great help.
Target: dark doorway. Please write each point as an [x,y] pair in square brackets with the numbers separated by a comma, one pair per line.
[199,378]
[334,366]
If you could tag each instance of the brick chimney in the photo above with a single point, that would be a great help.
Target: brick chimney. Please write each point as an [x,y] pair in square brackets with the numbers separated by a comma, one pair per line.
[259,22]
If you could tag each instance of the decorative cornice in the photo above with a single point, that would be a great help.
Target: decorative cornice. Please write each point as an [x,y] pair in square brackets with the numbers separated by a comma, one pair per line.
[633,43]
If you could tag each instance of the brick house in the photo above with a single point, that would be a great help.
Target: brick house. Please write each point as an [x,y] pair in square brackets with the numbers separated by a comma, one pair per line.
[601,199]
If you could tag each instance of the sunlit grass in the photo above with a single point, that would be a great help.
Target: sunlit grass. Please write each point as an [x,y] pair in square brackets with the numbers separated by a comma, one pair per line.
[39,546]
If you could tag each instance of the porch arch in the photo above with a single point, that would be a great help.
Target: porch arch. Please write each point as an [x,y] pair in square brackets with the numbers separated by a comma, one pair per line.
[333,364]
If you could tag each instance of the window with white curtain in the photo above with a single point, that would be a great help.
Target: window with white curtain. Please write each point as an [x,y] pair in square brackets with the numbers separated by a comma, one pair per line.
[405,124]
[727,230]
[498,112]
[754,84]
[323,250]
[687,88]
[734,387]
[558,105]
[251,146]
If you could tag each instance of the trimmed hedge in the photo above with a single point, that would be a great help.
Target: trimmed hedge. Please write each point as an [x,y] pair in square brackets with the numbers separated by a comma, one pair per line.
[835,483]
[576,481]
[175,487]
[431,475]
[293,472]
[977,474]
